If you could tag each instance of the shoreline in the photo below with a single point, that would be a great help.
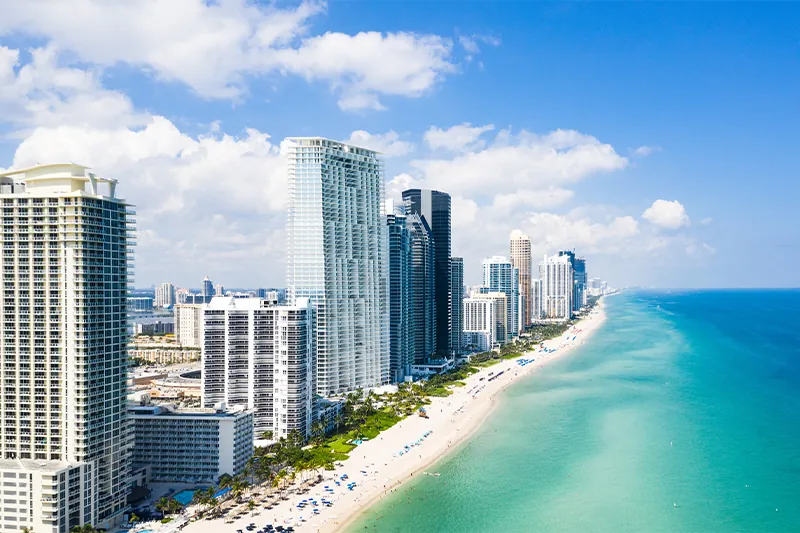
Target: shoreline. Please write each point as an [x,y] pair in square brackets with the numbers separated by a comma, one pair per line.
[382,465]
[480,413]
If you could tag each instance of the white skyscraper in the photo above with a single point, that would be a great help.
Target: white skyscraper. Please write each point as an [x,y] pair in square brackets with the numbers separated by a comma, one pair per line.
[165,295]
[64,456]
[555,273]
[337,258]
[500,275]
[189,325]
[258,356]
[485,321]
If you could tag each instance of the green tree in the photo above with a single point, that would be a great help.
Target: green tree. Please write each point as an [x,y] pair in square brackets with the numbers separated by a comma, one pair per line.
[250,506]
[267,435]
[133,518]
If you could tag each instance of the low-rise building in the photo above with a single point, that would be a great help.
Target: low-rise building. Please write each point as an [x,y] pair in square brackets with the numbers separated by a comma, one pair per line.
[196,446]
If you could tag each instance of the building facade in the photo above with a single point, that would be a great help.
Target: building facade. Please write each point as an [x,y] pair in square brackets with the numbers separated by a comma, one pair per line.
[479,324]
[456,304]
[499,275]
[579,290]
[434,208]
[485,313]
[207,290]
[555,273]
[165,295]
[195,446]
[337,259]
[64,456]
[140,304]
[401,353]
[520,248]
[258,356]
[423,294]
[189,325]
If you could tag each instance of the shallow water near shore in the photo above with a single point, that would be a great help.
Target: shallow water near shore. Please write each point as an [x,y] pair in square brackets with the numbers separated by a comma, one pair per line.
[681,414]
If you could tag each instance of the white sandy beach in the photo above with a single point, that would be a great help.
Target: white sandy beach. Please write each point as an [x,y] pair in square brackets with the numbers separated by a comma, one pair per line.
[451,420]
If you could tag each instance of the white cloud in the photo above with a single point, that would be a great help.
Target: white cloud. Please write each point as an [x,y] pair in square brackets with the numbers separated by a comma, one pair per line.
[534,199]
[644,151]
[362,66]
[525,161]
[706,221]
[210,204]
[42,92]
[471,44]
[389,143]
[214,46]
[457,138]
[667,214]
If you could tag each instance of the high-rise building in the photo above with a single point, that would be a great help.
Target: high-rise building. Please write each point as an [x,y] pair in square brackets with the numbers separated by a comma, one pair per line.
[456,307]
[202,444]
[336,235]
[434,207]
[219,290]
[499,275]
[579,291]
[181,296]
[258,356]
[165,295]
[521,259]
[401,349]
[64,456]
[423,294]
[207,290]
[579,278]
[536,299]
[555,273]
[485,321]
[189,325]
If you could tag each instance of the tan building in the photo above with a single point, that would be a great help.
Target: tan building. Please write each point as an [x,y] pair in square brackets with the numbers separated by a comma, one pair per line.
[521,259]
[164,355]
[189,325]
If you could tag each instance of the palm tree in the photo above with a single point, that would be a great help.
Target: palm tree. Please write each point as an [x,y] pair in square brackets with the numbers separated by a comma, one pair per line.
[238,487]
[318,432]
[225,481]
[250,506]
[85,528]
[250,469]
[161,505]
[133,518]
[267,435]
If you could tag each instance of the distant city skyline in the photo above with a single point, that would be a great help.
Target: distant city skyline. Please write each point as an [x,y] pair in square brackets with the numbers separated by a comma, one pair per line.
[652,137]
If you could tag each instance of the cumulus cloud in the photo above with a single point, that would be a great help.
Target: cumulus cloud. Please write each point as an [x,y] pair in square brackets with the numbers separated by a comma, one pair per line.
[644,151]
[213,47]
[213,203]
[388,144]
[523,161]
[457,138]
[667,214]
[42,92]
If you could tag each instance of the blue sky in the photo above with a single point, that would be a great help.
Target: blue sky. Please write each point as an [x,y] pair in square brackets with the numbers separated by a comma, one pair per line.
[656,139]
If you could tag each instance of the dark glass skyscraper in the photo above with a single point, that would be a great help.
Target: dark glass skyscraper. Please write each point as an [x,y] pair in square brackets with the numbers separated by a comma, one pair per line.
[422,318]
[434,208]
[456,303]
[578,279]
[401,305]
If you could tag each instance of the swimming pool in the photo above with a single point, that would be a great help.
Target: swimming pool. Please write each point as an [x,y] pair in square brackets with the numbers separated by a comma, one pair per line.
[185,497]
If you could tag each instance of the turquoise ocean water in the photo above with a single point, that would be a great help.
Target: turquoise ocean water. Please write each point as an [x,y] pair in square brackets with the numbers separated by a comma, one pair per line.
[685,398]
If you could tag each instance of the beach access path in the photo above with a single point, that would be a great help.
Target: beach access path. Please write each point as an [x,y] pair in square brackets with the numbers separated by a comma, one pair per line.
[377,467]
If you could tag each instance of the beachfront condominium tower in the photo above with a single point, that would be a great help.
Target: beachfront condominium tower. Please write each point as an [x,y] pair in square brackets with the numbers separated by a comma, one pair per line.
[165,295]
[499,275]
[64,450]
[456,307]
[485,321]
[189,325]
[556,275]
[401,349]
[257,356]
[423,295]
[521,259]
[336,257]
[579,291]
[434,207]
[578,278]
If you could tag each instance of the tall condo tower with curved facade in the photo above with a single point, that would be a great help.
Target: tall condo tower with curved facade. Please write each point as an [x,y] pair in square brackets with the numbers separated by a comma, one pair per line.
[337,258]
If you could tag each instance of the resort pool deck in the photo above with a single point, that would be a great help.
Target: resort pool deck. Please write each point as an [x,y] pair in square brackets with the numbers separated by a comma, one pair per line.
[185,497]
